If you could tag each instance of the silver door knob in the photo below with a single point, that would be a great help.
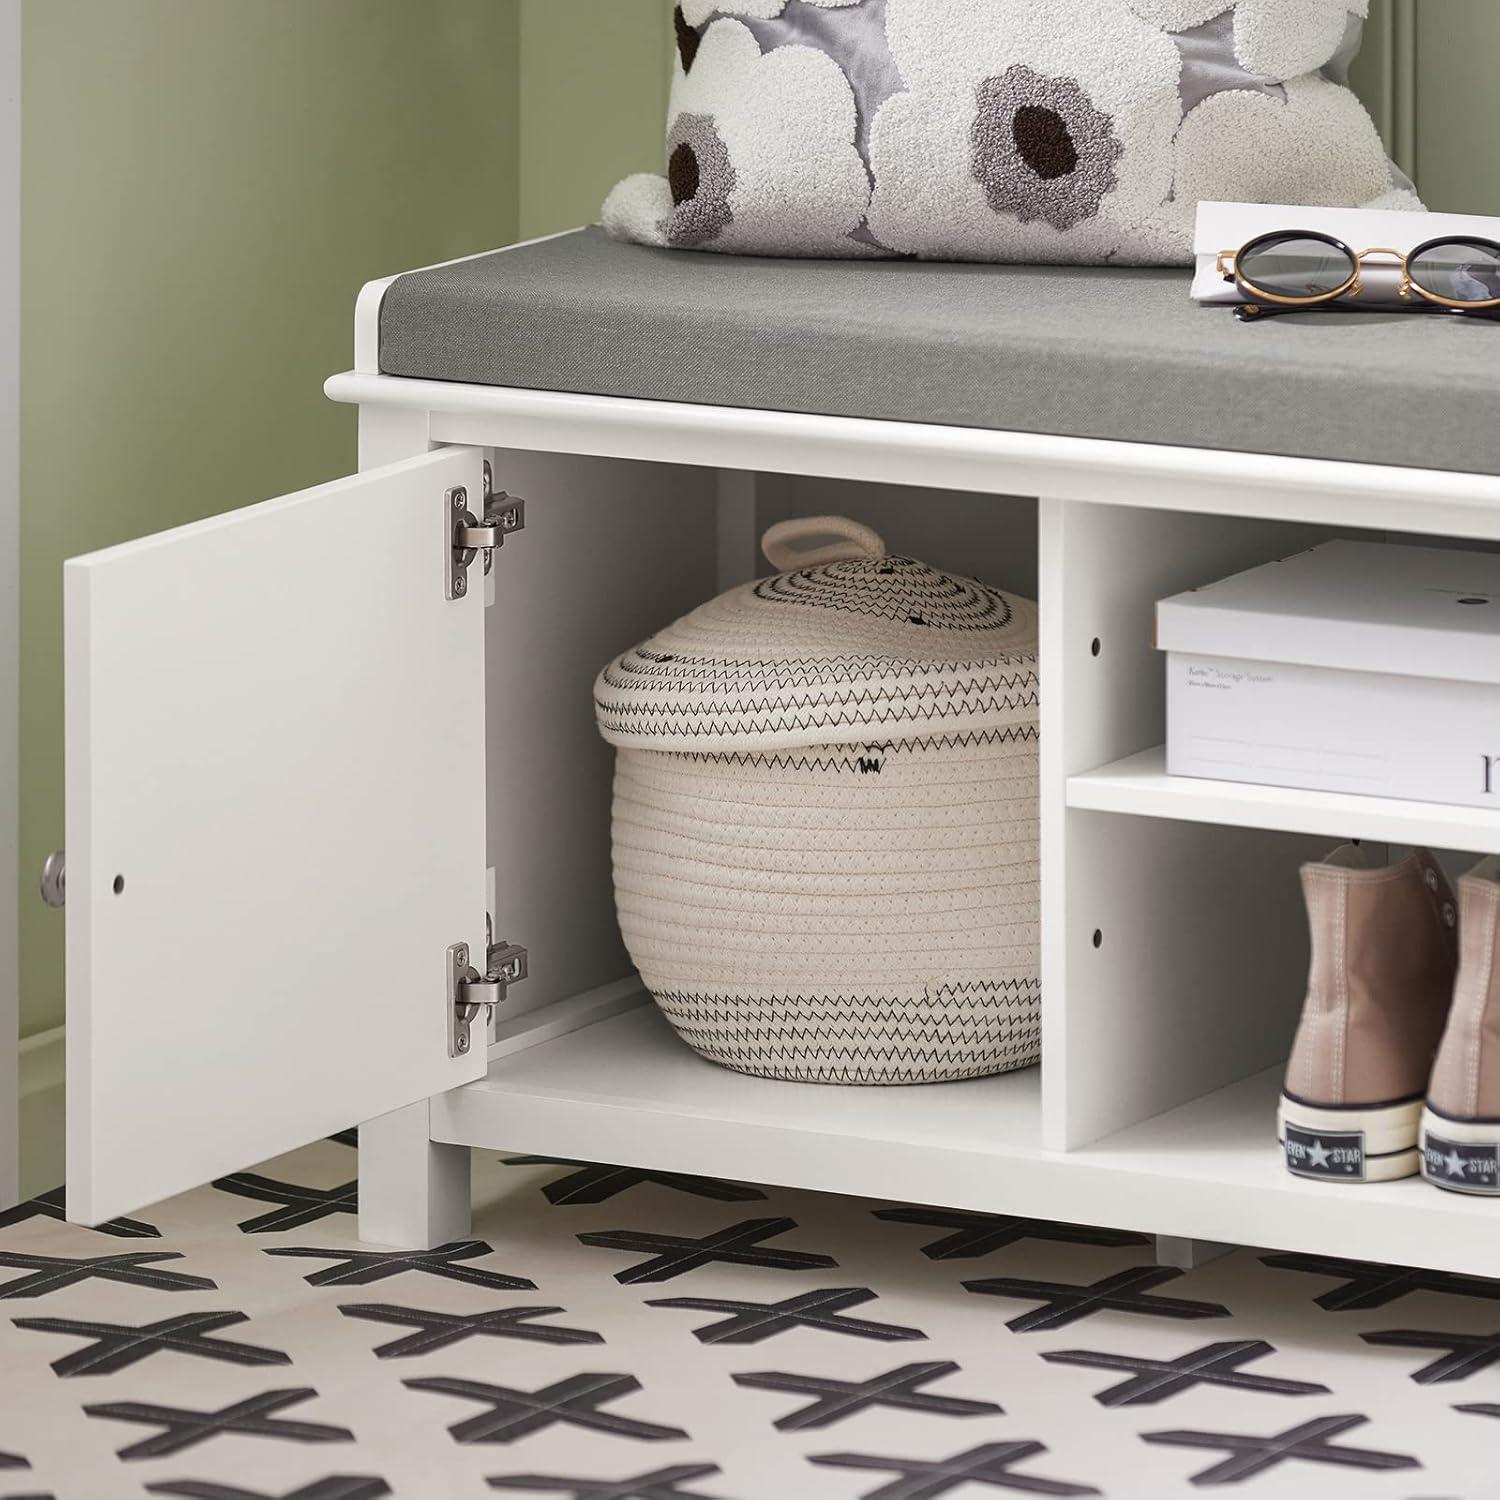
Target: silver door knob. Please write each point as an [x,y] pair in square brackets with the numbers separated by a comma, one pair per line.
[55,878]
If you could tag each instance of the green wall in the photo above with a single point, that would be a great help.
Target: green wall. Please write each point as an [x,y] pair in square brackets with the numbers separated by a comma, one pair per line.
[1454,86]
[1428,75]
[593,98]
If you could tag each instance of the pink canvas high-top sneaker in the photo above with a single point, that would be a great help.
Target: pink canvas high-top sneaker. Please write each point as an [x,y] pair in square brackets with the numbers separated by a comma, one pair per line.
[1384,955]
[1461,1124]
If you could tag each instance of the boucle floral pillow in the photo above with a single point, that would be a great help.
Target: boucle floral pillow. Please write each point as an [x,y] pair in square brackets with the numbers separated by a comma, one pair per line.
[1007,130]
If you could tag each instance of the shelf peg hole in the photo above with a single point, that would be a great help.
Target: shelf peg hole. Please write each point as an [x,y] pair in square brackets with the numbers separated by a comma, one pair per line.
[118,885]
[1098,937]
[1097,647]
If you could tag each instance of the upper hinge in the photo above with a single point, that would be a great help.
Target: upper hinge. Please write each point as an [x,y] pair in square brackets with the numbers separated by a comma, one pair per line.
[470,992]
[468,535]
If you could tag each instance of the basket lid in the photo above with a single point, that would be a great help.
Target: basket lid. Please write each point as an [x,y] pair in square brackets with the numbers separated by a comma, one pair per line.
[846,645]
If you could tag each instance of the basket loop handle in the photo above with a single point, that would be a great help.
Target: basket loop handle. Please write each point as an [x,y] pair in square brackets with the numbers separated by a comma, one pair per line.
[842,540]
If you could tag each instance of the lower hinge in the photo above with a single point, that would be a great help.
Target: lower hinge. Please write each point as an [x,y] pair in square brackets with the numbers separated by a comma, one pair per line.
[468,535]
[470,992]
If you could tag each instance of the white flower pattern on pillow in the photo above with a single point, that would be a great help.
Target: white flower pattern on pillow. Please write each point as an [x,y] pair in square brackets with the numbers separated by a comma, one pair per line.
[749,134]
[1000,130]
[696,12]
[1319,146]
[1018,139]
[1277,39]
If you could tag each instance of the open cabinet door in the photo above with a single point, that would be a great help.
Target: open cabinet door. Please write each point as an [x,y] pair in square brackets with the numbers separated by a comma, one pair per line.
[275,828]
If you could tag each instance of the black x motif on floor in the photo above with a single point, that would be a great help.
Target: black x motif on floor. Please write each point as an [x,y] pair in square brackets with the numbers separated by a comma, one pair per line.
[1062,1303]
[1468,1353]
[362,1267]
[978,1234]
[659,1484]
[1311,1443]
[595,1182]
[755,1322]
[1370,1286]
[52,1273]
[836,1400]
[673,1255]
[334,1487]
[116,1346]
[181,1428]
[296,1206]
[439,1330]
[992,1464]
[52,1205]
[1479,1409]
[573,1402]
[1156,1380]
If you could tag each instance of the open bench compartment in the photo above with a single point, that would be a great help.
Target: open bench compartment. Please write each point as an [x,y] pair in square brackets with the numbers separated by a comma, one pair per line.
[1174,944]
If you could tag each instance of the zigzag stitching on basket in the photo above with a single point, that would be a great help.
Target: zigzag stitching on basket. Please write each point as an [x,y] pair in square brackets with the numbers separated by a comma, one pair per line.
[917,1037]
[955,987]
[793,1073]
[692,1024]
[805,1045]
[995,683]
[794,673]
[747,1020]
[791,1043]
[612,715]
[872,1058]
[790,761]
[964,605]
[1018,1012]
[889,1077]
[788,1042]
[893,573]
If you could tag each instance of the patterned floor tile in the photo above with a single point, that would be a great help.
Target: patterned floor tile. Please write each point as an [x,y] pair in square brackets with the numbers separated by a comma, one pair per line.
[611,1333]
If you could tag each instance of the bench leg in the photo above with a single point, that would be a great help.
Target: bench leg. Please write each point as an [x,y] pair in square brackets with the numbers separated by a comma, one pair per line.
[413,1192]
[1188,1255]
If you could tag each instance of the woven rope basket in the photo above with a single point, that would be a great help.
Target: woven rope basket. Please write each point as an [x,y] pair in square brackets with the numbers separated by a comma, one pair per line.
[825,818]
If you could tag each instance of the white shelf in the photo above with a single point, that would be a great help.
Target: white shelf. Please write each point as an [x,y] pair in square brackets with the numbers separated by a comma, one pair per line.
[1140,787]
[1209,1170]
[628,1083]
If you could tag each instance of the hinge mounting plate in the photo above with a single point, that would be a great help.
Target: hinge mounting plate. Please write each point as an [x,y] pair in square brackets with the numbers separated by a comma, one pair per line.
[468,535]
[470,992]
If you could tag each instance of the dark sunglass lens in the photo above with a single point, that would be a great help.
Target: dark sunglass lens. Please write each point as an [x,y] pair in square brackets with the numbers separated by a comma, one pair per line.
[1295,268]
[1459,271]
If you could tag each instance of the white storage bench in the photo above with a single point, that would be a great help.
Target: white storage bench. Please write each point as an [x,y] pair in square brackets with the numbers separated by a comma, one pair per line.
[311,747]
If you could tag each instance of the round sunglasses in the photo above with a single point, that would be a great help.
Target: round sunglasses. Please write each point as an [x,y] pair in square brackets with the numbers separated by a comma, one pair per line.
[1292,269]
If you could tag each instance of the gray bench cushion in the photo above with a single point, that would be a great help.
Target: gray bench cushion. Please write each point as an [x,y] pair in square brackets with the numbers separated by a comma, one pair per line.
[1086,353]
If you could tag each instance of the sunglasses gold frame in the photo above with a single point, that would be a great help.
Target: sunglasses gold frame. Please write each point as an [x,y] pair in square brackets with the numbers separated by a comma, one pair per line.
[1229,269]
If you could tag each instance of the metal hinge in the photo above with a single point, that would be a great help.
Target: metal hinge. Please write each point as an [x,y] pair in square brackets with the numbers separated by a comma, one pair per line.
[468,536]
[470,992]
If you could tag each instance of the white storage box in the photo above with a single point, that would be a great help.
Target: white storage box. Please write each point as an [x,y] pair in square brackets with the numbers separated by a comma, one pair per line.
[826,818]
[1353,667]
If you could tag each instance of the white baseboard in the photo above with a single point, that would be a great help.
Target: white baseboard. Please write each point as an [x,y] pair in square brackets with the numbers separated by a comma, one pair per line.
[42,1111]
